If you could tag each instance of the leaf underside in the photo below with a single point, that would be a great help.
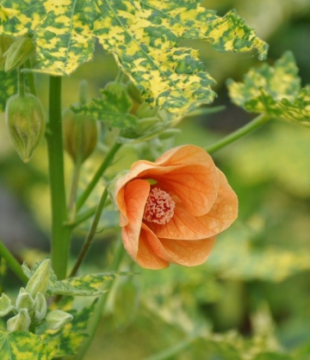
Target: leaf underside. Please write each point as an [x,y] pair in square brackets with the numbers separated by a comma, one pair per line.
[275,91]
[143,36]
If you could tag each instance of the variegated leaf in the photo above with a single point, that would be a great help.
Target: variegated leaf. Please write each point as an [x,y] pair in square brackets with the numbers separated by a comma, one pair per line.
[274,91]
[8,87]
[143,36]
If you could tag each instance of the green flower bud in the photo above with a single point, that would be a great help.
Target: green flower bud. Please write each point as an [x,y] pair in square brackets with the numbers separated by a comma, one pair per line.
[20,322]
[24,300]
[134,93]
[20,51]
[145,111]
[5,305]
[146,124]
[40,307]
[169,133]
[25,123]
[5,43]
[80,135]
[57,319]
[39,280]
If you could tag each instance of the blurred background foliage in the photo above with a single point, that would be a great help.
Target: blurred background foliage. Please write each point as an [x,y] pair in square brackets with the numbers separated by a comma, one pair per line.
[251,300]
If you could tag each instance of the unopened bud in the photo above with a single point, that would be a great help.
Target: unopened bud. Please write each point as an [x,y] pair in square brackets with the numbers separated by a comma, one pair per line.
[169,133]
[25,123]
[80,135]
[5,43]
[5,305]
[40,307]
[24,300]
[57,319]
[145,111]
[20,322]
[39,280]
[146,124]
[18,53]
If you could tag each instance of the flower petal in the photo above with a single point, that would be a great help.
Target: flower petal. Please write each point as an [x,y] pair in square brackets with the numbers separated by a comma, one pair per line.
[188,253]
[185,226]
[147,257]
[135,196]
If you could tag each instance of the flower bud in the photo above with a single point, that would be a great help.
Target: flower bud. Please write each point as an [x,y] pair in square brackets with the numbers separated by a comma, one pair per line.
[145,111]
[57,319]
[146,124]
[40,307]
[39,280]
[5,305]
[25,123]
[20,322]
[5,43]
[18,53]
[134,92]
[169,133]
[80,135]
[24,300]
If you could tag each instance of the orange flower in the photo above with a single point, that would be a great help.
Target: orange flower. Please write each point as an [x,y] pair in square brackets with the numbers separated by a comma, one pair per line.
[175,220]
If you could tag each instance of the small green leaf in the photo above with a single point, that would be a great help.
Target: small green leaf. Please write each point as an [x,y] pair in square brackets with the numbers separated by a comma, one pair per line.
[23,346]
[113,107]
[5,305]
[8,87]
[274,91]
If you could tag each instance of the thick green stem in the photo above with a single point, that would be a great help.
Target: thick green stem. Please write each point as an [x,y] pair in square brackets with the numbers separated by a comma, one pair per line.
[12,262]
[60,232]
[97,176]
[91,234]
[74,189]
[96,318]
[253,125]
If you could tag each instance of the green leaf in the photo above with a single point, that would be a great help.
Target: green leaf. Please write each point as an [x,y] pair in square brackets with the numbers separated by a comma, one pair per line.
[113,107]
[8,87]
[68,339]
[274,90]
[87,285]
[21,345]
[143,36]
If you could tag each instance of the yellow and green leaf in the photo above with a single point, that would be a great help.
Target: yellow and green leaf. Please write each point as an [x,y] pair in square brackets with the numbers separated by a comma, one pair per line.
[143,36]
[8,87]
[20,345]
[275,91]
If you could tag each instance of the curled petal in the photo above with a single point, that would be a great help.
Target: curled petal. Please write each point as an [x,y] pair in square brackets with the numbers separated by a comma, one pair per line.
[135,196]
[147,257]
[185,226]
[188,253]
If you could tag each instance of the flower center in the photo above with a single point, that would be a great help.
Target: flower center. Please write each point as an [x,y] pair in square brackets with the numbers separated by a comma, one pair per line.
[159,207]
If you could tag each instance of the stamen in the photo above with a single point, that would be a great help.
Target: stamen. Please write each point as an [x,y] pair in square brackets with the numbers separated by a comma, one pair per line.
[159,207]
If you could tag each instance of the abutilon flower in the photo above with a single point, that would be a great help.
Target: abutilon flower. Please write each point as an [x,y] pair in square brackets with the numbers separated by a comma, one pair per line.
[172,209]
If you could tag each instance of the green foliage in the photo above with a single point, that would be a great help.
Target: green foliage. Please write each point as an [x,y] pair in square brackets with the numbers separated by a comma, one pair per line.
[68,339]
[275,91]
[143,37]
[23,346]
[87,285]
[8,87]
[113,107]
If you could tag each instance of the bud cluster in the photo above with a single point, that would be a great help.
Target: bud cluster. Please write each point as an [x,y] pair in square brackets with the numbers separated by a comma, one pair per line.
[30,309]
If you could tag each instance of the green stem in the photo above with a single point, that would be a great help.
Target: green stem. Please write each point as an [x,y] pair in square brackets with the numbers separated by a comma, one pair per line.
[91,234]
[21,83]
[30,78]
[74,189]
[60,232]
[97,176]
[96,318]
[12,262]
[246,129]
[167,354]
[82,217]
